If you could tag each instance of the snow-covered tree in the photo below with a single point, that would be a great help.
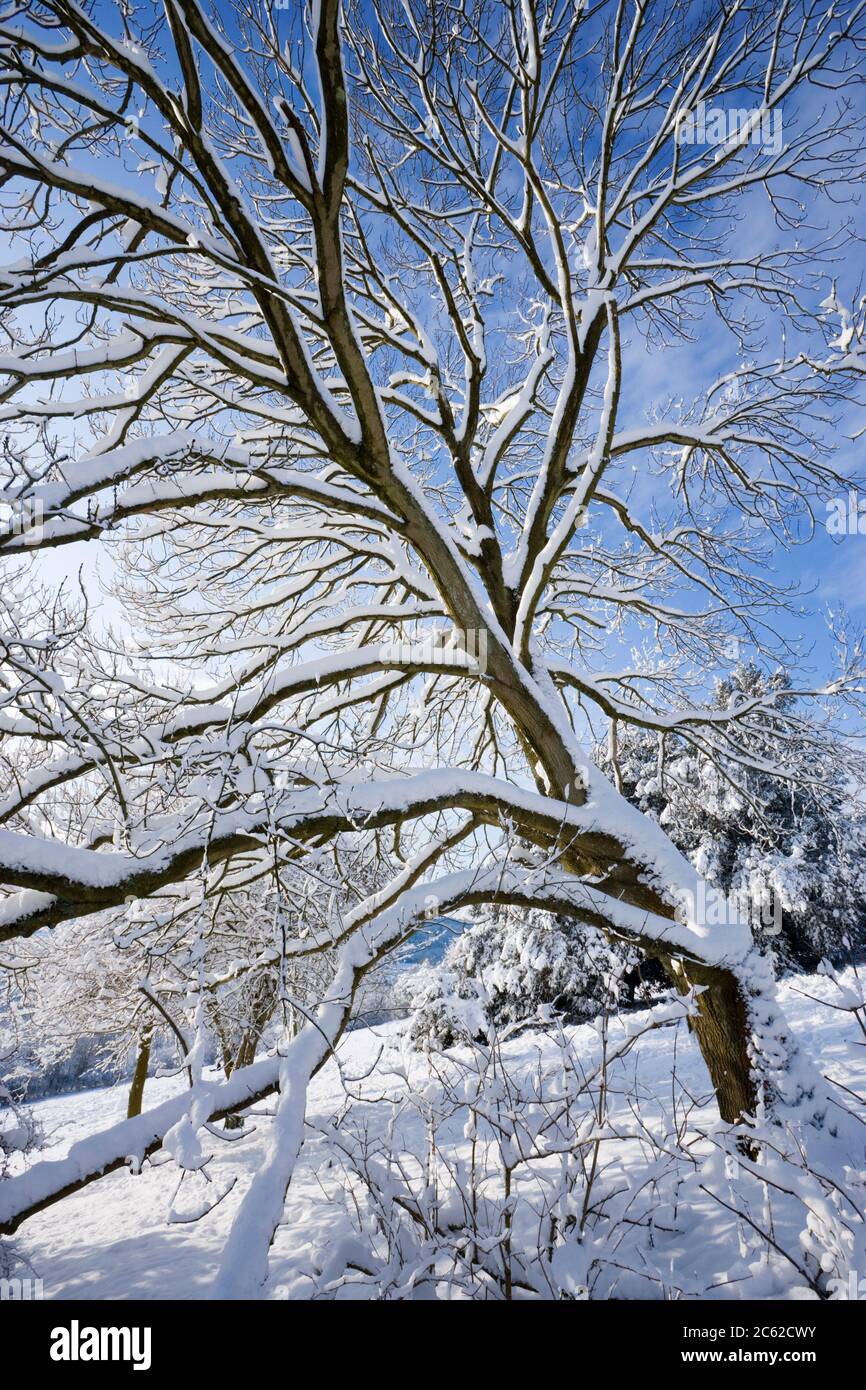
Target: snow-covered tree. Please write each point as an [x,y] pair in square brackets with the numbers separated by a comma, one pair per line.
[790,849]
[511,967]
[330,322]
[79,1010]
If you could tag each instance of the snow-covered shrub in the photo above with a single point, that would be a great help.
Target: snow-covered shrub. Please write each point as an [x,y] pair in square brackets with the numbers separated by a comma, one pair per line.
[21,1135]
[513,966]
[446,1006]
[485,1171]
[20,1132]
[543,1167]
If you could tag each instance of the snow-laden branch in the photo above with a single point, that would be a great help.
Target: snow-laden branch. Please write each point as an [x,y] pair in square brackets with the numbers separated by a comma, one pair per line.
[602,832]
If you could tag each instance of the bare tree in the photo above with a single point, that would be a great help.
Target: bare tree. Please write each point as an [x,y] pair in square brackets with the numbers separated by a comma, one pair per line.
[333,319]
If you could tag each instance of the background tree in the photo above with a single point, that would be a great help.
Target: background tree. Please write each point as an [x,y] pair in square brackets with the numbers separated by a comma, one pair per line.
[790,850]
[512,967]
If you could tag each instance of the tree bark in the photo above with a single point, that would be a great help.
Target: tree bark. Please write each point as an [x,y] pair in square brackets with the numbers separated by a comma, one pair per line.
[721,1027]
[139,1076]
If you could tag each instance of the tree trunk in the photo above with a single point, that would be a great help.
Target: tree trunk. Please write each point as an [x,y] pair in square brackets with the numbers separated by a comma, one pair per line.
[721,1028]
[235,1121]
[722,1022]
[139,1076]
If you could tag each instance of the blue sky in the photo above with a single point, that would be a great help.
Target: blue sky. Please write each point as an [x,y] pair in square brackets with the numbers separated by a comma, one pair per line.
[831,571]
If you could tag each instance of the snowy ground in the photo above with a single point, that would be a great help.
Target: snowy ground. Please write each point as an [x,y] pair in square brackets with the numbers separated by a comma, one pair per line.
[115,1241]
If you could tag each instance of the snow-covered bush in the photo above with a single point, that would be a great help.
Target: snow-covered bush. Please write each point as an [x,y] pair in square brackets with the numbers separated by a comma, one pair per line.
[20,1132]
[446,1005]
[547,1168]
[511,967]
[21,1135]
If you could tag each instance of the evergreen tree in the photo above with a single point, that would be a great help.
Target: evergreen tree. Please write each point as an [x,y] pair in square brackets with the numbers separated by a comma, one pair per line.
[793,853]
[513,967]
